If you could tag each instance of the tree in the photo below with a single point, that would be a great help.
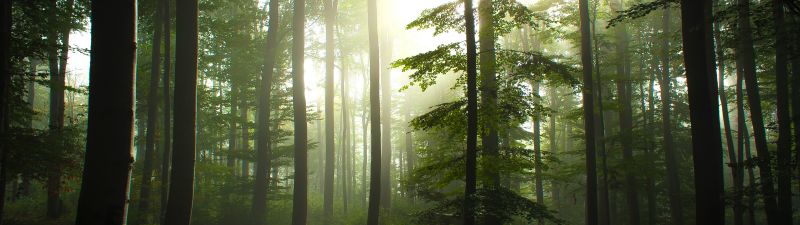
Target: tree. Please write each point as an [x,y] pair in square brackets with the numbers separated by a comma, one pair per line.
[330,155]
[784,153]
[588,118]
[670,155]
[179,205]
[374,114]
[167,120]
[745,58]
[696,24]
[58,64]
[259,206]
[488,88]
[152,117]
[106,175]
[472,116]
[300,197]
[5,86]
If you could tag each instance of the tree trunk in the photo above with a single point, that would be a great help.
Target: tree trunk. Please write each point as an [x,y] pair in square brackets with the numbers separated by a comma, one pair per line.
[588,115]
[537,154]
[386,122]
[784,122]
[723,98]
[374,114]
[263,151]
[742,136]
[57,79]
[703,110]
[152,117]
[471,177]
[670,154]
[345,139]
[232,132]
[745,58]
[488,89]
[796,94]
[167,152]
[364,126]
[5,86]
[181,190]
[107,166]
[245,144]
[300,192]
[330,155]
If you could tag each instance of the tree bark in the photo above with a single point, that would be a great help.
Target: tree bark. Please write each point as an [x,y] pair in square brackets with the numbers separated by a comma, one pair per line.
[263,151]
[745,58]
[107,166]
[670,154]
[166,151]
[471,178]
[58,64]
[374,114]
[588,115]
[488,88]
[330,154]
[696,24]
[5,86]
[386,122]
[784,152]
[181,190]
[152,117]
[300,192]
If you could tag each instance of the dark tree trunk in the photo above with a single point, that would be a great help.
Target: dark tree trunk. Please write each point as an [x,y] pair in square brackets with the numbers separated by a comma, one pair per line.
[57,78]
[165,80]
[232,131]
[152,117]
[742,137]
[670,154]
[796,93]
[604,212]
[5,86]
[784,121]
[330,155]
[181,190]
[245,144]
[723,99]
[259,207]
[365,149]
[537,155]
[588,115]
[703,110]
[471,178]
[300,192]
[373,212]
[107,166]
[745,58]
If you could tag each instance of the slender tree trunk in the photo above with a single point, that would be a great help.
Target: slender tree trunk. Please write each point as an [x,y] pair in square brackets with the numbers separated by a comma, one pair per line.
[588,115]
[107,166]
[670,154]
[723,99]
[57,78]
[488,89]
[600,125]
[5,86]
[181,190]
[537,155]
[624,91]
[784,121]
[742,136]
[232,132]
[330,155]
[167,152]
[245,144]
[386,122]
[364,125]
[745,57]
[345,139]
[300,192]
[472,116]
[152,117]
[259,207]
[796,94]
[696,23]
[374,114]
